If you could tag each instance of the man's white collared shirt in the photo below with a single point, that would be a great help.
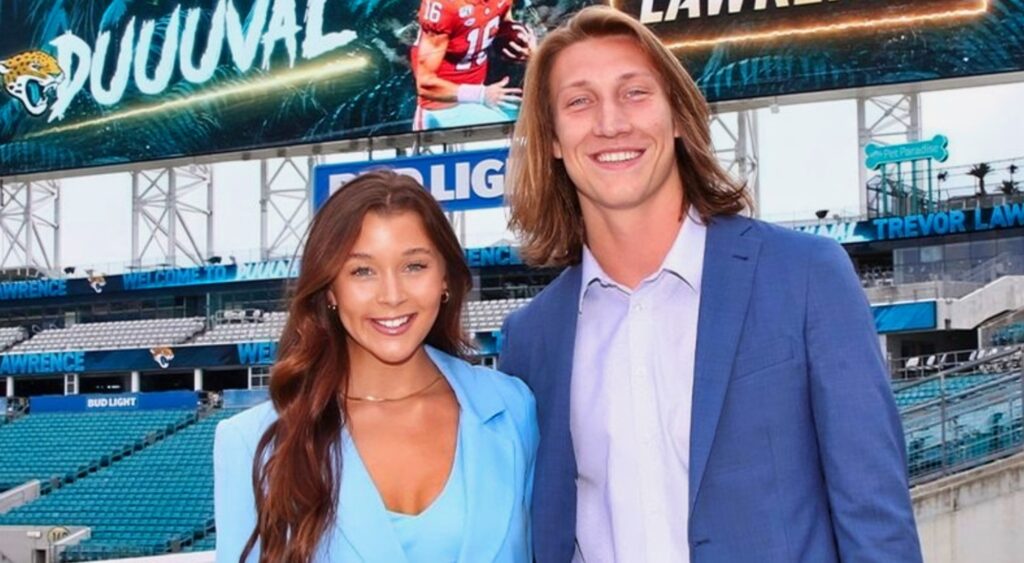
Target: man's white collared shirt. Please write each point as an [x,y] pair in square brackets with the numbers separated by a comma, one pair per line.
[631,393]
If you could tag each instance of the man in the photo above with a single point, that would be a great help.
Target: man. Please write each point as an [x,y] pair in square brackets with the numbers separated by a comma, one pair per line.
[709,387]
[450,57]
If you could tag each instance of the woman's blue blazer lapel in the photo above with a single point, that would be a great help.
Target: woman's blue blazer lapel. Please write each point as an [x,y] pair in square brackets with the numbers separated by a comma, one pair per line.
[489,465]
[362,522]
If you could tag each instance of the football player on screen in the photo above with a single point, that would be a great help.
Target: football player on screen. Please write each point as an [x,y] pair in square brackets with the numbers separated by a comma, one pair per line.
[449,62]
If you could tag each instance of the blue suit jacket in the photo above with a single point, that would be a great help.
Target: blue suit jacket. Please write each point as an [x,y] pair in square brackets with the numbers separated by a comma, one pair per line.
[796,448]
[498,428]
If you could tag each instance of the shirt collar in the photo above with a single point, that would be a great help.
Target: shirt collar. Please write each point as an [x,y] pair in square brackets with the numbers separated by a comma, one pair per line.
[685,259]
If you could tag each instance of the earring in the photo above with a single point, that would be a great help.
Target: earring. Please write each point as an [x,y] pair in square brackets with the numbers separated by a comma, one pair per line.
[445,296]
[332,307]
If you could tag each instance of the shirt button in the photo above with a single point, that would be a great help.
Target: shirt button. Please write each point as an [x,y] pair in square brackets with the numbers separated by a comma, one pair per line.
[638,307]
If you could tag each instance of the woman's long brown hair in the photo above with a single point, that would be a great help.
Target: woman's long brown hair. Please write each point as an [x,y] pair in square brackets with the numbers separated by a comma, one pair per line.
[297,464]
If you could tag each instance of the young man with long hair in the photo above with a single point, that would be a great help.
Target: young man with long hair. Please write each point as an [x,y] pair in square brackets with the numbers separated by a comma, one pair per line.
[709,387]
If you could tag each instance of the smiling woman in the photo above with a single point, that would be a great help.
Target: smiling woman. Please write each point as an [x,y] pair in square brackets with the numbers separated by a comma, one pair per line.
[379,439]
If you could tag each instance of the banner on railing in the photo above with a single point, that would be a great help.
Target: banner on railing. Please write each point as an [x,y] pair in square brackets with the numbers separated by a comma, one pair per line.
[937,223]
[905,317]
[162,400]
[157,358]
[214,274]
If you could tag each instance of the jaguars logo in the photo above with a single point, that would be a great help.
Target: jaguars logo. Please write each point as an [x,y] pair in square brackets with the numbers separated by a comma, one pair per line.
[32,77]
[97,282]
[162,356]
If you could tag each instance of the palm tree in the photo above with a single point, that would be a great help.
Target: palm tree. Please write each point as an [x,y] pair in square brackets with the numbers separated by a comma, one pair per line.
[979,171]
[1013,168]
[1008,187]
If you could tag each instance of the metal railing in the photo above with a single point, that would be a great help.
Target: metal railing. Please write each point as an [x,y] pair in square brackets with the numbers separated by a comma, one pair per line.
[924,366]
[966,425]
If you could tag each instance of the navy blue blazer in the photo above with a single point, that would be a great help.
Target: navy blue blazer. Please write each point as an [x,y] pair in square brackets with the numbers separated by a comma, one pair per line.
[498,430]
[796,447]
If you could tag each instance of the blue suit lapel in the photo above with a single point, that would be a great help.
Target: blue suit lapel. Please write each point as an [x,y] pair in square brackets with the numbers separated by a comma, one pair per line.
[554,382]
[730,260]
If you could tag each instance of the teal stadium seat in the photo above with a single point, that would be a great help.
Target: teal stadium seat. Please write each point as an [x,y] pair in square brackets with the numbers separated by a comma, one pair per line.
[913,394]
[63,446]
[140,505]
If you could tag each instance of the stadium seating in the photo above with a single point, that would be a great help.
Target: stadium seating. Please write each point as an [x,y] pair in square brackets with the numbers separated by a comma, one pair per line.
[65,446]
[915,393]
[877,276]
[111,335]
[11,335]
[1007,335]
[160,499]
[965,430]
[231,327]
[487,316]
[243,326]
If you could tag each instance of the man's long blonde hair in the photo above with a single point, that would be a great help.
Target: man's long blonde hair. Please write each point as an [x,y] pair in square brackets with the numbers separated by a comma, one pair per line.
[545,206]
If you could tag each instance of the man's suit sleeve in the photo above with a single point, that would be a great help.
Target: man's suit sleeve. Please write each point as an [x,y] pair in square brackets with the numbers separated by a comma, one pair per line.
[508,362]
[860,436]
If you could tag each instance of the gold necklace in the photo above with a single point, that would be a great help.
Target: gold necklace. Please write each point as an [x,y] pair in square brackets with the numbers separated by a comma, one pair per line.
[372,399]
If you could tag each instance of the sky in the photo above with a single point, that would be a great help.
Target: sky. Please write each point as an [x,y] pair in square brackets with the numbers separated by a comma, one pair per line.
[808,161]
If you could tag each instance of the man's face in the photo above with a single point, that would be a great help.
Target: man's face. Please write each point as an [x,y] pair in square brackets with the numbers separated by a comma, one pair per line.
[614,127]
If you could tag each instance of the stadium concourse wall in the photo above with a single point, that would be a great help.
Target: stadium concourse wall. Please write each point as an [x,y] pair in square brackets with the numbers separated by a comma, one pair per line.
[974,515]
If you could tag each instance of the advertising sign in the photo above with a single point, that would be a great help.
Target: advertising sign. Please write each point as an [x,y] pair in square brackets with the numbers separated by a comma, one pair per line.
[12,292]
[158,358]
[904,317]
[937,223]
[458,181]
[163,278]
[158,400]
[113,82]
[936,149]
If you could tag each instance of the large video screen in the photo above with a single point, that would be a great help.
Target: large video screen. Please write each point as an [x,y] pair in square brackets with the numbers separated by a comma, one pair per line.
[112,82]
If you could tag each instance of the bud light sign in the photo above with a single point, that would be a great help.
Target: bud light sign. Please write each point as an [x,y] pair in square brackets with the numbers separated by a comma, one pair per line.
[458,181]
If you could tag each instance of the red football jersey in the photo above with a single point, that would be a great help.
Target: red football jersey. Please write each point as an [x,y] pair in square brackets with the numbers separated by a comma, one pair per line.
[470,26]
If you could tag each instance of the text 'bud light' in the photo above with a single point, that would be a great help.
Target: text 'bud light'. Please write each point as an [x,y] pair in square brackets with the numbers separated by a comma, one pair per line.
[459,182]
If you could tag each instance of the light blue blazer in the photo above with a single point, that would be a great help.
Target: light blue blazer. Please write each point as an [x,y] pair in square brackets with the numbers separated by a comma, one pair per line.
[498,429]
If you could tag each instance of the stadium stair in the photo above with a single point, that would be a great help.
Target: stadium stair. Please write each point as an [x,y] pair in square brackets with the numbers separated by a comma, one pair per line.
[1004,294]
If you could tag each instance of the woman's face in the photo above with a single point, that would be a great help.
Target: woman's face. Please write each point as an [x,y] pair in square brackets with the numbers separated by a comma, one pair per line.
[389,289]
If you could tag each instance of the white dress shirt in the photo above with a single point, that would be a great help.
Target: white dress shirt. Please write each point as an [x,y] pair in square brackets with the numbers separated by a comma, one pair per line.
[631,392]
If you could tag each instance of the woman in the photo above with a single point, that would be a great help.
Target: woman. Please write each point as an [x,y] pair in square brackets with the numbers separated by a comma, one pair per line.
[379,443]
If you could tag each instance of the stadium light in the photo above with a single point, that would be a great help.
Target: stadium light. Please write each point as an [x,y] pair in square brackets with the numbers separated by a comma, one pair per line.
[69,270]
[821,214]
[214,259]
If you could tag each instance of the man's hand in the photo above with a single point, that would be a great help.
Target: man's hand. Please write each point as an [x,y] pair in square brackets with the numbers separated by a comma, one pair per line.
[520,49]
[499,95]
